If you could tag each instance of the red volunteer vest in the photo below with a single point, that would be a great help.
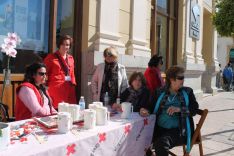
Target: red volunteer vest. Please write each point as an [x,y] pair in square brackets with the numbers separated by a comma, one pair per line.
[21,111]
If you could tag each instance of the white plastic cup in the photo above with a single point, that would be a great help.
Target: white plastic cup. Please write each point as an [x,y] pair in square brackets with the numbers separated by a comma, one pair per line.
[98,103]
[74,110]
[89,118]
[64,122]
[127,109]
[102,116]
[63,107]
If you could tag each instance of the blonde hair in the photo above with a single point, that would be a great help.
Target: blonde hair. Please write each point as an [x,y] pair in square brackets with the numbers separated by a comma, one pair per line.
[111,52]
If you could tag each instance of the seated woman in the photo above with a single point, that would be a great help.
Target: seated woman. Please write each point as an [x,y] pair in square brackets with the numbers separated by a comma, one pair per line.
[32,96]
[174,106]
[136,93]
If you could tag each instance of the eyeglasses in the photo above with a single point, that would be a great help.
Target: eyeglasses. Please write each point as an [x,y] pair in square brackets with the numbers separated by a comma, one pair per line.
[41,73]
[180,77]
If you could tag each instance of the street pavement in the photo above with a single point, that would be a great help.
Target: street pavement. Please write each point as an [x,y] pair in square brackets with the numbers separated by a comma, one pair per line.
[218,129]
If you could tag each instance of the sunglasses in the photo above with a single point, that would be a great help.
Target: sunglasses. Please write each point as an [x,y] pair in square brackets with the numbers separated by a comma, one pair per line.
[180,77]
[41,73]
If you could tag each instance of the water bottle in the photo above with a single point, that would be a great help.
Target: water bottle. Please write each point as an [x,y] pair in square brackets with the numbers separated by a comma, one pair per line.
[106,99]
[82,103]
[118,100]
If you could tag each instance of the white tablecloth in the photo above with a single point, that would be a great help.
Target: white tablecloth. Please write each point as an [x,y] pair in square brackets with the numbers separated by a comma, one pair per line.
[119,138]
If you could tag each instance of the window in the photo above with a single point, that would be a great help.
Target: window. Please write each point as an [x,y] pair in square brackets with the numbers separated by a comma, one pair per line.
[164,38]
[29,19]
[65,18]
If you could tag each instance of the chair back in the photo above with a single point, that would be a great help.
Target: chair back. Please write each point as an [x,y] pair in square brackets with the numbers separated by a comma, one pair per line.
[196,138]
[3,113]
[197,131]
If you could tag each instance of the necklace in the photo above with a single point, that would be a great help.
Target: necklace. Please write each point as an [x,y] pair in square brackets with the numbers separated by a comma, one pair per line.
[172,99]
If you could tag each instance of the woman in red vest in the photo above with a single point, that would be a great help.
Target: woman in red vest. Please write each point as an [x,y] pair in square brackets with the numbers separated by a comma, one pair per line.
[32,96]
[60,72]
[153,75]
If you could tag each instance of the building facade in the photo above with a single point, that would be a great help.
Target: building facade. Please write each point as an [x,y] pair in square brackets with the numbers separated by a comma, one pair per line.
[179,30]
[225,50]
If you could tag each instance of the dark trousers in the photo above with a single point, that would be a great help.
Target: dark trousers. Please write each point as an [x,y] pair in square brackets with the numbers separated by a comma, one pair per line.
[166,139]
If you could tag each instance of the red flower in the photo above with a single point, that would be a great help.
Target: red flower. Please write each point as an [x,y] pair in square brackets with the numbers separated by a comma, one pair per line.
[71,149]
[127,129]
[146,121]
[102,137]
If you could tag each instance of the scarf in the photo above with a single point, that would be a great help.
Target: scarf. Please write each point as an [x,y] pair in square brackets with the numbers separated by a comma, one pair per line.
[110,82]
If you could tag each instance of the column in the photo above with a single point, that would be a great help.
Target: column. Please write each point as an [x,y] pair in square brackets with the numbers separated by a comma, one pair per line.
[108,23]
[214,47]
[137,43]
[188,53]
[198,49]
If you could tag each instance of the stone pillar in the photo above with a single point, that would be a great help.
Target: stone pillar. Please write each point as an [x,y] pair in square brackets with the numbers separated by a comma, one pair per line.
[108,26]
[137,44]
[188,53]
[198,47]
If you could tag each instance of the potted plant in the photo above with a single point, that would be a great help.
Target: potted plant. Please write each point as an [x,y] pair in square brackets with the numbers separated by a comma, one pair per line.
[8,48]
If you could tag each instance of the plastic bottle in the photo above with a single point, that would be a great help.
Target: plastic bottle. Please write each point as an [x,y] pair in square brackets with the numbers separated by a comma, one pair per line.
[106,99]
[118,100]
[82,103]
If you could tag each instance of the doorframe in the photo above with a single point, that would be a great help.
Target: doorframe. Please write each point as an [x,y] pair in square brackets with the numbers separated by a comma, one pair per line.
[77,37]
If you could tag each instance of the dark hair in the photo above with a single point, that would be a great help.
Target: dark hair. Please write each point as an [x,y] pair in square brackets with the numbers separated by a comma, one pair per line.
[62,38]
[31,70]
[134,77]
[172,73]
[155,61]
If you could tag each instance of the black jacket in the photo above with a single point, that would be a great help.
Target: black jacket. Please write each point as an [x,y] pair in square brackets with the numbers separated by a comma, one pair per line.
[141,100]
[193,104]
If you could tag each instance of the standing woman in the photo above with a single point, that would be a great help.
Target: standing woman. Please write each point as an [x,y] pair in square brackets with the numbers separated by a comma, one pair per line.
[153,74]
[109,77]
[60,71]
[32,96]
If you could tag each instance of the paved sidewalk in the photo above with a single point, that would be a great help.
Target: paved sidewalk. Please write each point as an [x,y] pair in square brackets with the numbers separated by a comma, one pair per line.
[218,129]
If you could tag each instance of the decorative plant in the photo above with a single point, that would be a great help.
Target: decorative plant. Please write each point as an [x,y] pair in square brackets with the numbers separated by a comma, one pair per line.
[8,47]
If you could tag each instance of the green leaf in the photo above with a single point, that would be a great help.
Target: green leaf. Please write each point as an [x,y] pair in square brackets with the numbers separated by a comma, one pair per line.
[223,18]
[0,132]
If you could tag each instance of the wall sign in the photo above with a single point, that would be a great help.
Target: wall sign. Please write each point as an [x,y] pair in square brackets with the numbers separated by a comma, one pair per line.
[194,28]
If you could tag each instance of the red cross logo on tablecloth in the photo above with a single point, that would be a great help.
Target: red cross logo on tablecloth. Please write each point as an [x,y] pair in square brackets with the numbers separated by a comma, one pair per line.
[102,137]
[23,139]
[146,121]
[127,129]
[71,149]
